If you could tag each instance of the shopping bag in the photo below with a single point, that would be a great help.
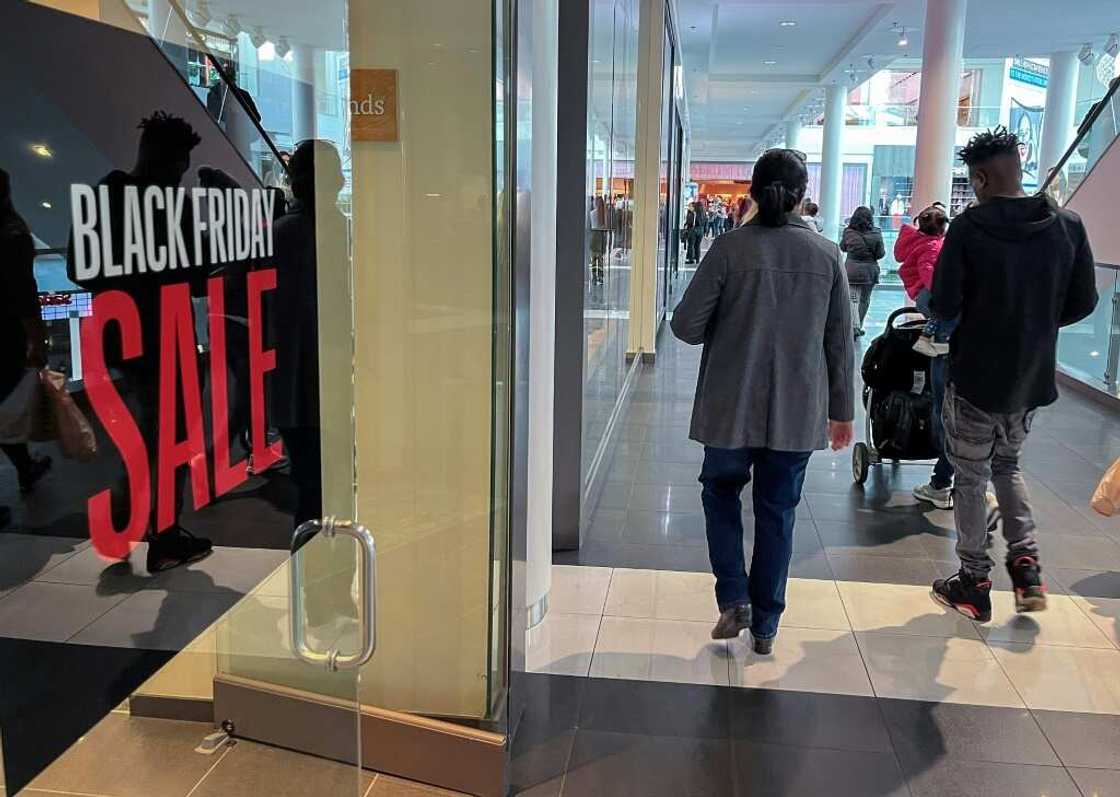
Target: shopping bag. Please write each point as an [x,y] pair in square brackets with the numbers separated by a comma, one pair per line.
[74,433]
[1106,498]
[22,415]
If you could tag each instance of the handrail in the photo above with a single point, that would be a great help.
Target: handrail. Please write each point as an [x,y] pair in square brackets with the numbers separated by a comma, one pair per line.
[231,85]
[1082,131]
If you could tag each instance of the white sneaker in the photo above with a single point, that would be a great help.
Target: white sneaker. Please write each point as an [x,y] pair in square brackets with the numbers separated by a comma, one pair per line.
[942,499]
[931,348]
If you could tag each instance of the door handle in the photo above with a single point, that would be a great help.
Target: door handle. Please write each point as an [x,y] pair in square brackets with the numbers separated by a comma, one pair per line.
[334,659]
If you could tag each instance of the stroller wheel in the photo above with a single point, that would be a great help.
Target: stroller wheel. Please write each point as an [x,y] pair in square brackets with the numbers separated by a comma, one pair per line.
[861,463]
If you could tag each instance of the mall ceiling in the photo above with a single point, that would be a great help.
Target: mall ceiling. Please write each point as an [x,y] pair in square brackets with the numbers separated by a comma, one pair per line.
[746,72]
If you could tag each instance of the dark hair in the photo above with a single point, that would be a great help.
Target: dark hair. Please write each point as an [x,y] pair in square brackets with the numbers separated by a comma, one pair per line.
[811,208]
[11,223]
[862,220]
[302,168]
[982,147]
[933,220]
[778,185]
[167,137]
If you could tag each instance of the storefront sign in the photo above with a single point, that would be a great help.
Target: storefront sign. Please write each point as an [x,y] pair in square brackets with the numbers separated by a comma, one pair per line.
[1026,71]
[720,171]
[373,105]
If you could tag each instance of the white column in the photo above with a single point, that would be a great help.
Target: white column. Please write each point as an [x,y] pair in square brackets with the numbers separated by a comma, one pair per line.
[303,92]
[832,159]
[942,59]
[542,308]
[1058,118]
[793,133]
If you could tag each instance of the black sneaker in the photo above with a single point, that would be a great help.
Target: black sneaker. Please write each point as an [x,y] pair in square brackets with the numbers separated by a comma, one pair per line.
[35,471]
[176,547]
[1030,589]
[965,594]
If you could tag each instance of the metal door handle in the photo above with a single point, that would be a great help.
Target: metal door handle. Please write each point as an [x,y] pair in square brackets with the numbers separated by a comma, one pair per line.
[367,595]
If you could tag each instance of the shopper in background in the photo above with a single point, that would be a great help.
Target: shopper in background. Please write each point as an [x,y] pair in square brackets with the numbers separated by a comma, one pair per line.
[600,228]
[23,338]
[917,249]
[694,224]
[773,387]
[1014,269]
[863,242]
[810,212]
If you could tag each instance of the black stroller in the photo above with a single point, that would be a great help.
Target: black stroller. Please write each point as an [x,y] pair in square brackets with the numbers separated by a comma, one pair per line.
[897,396]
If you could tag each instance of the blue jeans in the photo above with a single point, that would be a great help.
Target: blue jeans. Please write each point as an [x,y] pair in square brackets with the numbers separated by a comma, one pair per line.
[778,478]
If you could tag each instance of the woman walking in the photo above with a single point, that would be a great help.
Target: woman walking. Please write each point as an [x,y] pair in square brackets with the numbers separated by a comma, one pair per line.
[774,386]
[863,242]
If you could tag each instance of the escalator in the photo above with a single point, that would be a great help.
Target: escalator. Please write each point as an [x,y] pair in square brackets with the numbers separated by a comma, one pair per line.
[1085,182]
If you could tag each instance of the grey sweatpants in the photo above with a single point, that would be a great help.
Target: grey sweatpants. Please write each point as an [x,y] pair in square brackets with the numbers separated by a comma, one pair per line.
[983,447]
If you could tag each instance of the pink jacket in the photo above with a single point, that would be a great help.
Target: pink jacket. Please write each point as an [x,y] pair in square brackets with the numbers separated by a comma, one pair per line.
[917,252]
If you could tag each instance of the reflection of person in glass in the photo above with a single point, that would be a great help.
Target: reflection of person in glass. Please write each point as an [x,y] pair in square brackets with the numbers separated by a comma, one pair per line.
[22,335]
[599,229]
[163,158]
[315,170]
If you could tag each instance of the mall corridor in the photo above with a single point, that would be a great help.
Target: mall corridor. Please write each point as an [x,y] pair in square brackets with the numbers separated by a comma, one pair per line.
[873,689]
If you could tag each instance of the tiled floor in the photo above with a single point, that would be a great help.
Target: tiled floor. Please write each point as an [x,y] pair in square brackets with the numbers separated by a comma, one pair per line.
[127,756]
[873,689]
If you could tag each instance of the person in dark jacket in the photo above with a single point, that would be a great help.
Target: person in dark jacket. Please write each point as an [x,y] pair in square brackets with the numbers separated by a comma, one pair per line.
[863,243]
[773,387]
[1014,269]
[695,222]
[23,339]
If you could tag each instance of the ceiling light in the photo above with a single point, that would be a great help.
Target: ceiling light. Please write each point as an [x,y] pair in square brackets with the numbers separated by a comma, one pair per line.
[1086,54]
[46,204]
[1112,46]
[257,37]
[42,150]
[769,62]
[901,31]
[788,23]
[283,46]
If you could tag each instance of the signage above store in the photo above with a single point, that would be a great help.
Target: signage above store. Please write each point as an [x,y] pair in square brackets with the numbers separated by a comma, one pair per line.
[1027,71]
[373,105]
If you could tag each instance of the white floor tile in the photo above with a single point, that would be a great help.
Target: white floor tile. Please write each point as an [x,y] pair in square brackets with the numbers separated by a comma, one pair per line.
[944,670]
[52,612]
[804,660]
[901,609]
[562,644]
[1104,613]
[579,590]
[813,603]
[659,650]
[1063,623]
[663,594]
[1063,679]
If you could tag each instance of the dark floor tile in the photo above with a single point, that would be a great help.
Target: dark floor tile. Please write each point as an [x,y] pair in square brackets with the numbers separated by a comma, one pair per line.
[613,764]
[606,525]
[622,470]
[808,720]
[664,528]
[1083,740]
[648,472]
[666,498]
[871,539]
[615,496]
[883,569]
[690,453]
[1089,583]
[688,558]
[1097,782]
[655,708]
[764,770]
[924,732]
[951,776]
[810,565]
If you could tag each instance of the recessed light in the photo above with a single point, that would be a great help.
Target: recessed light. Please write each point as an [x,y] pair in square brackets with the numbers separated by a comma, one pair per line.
[42,150]
[769,62]
[788,23]
[46,204]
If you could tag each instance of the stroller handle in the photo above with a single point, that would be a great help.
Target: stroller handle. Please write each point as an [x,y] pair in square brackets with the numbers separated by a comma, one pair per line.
[903,311]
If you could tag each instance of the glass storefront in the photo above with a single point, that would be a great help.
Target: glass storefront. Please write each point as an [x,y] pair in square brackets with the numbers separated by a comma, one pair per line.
[263,478]
[611,146]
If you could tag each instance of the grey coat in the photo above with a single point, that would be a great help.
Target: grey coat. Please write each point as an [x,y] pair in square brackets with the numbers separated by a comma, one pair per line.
[772,308]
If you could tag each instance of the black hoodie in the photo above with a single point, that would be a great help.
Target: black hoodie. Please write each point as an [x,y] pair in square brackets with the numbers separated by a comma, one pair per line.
[1015,270]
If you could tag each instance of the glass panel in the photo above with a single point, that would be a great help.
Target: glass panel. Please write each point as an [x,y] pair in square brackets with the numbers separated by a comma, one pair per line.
[1089,348]
[202,406]
[612,114]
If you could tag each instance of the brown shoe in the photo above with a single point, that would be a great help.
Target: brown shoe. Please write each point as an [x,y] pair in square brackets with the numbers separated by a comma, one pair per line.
[732,621]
